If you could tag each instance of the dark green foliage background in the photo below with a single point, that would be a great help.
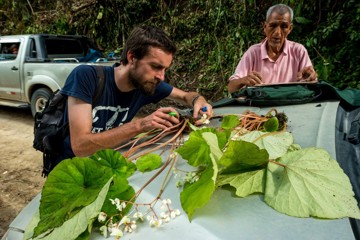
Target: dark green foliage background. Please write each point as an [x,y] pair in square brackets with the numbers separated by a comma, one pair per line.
[211,35]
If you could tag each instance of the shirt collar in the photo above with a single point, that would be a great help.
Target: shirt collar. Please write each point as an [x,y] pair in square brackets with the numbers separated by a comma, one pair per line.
[264,54]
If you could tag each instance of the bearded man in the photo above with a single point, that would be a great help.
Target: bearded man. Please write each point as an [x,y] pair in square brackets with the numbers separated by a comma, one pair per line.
[136,81]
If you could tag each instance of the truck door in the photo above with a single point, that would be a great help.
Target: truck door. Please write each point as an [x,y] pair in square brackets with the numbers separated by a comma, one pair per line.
[10,75]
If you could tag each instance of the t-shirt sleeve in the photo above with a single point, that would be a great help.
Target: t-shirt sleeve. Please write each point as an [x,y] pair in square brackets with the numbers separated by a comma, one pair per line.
[81,83]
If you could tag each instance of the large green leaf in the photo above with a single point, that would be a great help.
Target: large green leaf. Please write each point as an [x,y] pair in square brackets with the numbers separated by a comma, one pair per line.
[230,121]
[148,162]
[271,125]
[75,183]
[197,194]
[77,225]
[114,160]
[242,156]
[119,189]
[310,183]
[122,169]
[212,140]
[276,144]
[245,183]
[196,150]
[72,185]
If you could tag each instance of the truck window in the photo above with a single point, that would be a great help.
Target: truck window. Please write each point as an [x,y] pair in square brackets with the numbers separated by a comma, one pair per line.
[33,51]
[63,48]
[9,50]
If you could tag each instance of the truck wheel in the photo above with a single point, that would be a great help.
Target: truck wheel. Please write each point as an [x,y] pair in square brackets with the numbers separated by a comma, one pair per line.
[39,99]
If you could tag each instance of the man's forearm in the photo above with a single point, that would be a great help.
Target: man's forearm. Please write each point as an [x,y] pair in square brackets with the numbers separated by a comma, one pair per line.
[93,142]
[235,85]
[188,98]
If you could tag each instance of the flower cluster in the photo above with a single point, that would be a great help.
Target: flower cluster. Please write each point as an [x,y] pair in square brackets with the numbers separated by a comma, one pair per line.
[239,131]
[128,223]
[119,205]
[185,177]
[205,120]
[166,214]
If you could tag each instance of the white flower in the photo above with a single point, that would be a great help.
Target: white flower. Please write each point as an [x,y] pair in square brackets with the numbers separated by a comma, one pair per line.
[133,225]
[117,233]
[155,222]
[163,207]
[175,213]
[130,227]
[152,221]
[119,205]
[165,216]
[138,215]
[178,184]
[125,220]
[195,178]
[102,217]
[158,223]
[103,230]
[165,204]
[191,177]
[205,119]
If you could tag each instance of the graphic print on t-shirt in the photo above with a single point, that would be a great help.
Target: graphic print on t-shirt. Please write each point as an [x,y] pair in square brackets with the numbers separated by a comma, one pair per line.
[114,114]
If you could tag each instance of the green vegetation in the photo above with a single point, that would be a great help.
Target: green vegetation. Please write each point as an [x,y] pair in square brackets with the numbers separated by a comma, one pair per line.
[211,35]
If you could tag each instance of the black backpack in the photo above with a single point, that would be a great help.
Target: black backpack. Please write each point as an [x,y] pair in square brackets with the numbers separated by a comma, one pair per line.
[50,129]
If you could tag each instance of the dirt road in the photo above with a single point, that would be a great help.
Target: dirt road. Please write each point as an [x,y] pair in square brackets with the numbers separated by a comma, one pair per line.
[20,164]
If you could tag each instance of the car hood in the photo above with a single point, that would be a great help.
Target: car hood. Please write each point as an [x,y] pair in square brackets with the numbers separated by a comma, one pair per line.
[227,216]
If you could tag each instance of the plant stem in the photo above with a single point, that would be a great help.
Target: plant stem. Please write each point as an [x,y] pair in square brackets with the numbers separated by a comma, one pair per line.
[277,163]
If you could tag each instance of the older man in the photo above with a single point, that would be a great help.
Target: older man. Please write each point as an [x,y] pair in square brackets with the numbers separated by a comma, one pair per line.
[276,59]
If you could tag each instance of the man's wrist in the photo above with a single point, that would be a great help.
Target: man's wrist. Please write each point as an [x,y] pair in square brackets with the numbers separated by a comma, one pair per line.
[195,98]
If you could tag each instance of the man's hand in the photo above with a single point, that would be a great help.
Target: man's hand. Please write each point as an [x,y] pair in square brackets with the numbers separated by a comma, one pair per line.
[159,119]
[254,78]
[307,74]
[201,107]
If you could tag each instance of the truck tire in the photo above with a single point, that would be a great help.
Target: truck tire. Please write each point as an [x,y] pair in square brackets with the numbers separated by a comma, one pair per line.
[39,99]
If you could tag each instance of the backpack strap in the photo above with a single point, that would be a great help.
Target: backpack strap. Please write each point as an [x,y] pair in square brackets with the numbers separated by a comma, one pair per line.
[100,88]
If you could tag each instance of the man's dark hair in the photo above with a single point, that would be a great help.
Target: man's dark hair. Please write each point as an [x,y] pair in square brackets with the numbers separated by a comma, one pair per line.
[141,38]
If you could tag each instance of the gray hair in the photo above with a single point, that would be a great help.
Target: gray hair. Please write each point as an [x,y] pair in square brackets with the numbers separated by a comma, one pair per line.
[280,9]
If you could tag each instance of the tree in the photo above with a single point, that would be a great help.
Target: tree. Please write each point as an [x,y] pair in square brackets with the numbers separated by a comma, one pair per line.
[211,35]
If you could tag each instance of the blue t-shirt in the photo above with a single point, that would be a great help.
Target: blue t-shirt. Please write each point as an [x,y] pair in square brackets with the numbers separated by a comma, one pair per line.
[113,108]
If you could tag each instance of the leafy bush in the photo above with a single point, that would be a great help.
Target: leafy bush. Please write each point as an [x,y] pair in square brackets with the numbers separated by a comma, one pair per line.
[211,35]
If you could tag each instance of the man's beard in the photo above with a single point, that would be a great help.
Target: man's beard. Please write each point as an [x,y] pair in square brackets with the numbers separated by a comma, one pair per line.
[146,87]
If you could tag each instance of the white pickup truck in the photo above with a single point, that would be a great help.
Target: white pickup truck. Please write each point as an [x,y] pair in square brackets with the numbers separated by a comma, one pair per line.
[39,66]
